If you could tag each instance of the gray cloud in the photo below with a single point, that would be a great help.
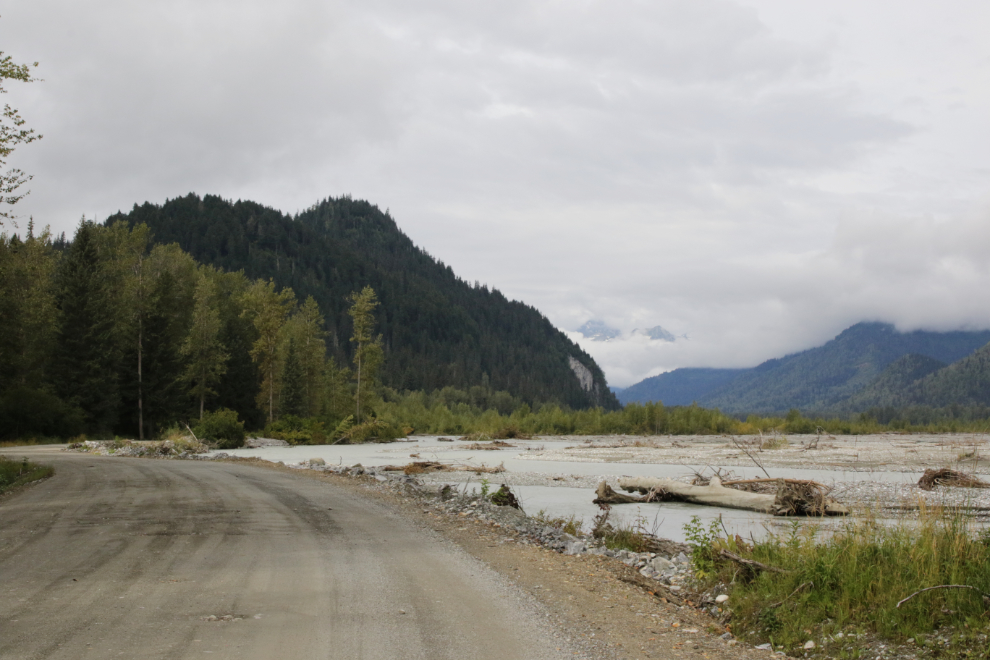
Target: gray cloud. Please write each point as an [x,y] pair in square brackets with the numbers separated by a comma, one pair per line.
[752,175]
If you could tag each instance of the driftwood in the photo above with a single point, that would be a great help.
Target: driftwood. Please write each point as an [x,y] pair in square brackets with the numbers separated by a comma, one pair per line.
[948,477]
[422,467]
[751,564]
[986,597]
[792,498]
[605,495]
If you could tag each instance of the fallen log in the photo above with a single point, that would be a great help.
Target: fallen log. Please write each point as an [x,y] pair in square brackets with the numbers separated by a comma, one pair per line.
[751,564]
[605,495]
[796,498]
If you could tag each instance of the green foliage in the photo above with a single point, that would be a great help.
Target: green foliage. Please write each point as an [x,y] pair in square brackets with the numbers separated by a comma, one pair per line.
[17,473]
[703,542]
[86,360]
[222,428]
[293,396]
[205,355]
[268,310]
[298,430]
[12,135]
[368,353]
[854,577]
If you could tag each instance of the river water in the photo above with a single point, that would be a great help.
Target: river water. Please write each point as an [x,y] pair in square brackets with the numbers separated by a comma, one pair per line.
[565,488]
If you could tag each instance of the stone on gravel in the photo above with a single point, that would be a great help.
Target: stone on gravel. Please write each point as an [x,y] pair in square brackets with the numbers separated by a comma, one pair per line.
[317,461]
[721,599]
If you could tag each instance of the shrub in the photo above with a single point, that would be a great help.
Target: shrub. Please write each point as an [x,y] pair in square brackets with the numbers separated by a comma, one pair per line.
[26,412]
[221,428]
[298,430]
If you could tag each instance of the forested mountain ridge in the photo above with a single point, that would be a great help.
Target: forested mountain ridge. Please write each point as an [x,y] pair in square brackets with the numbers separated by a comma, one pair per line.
[823,378]
[680,387]
[437,329]
[918,381]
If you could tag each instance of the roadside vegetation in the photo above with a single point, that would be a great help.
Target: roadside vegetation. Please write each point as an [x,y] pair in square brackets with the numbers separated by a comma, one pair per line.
[863,582]
[18,473]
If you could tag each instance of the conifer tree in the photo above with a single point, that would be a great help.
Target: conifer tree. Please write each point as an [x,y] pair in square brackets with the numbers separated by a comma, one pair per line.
[86,353]
[162,360]
[205,355]
[268,310]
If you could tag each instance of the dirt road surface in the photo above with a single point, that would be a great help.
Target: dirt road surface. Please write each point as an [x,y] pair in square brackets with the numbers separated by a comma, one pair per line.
[136,558]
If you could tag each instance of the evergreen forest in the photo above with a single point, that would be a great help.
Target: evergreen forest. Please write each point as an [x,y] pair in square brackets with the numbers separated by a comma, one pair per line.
[118,332]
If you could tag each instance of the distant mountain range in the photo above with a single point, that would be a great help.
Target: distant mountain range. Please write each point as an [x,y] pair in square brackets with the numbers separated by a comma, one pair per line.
[867,365]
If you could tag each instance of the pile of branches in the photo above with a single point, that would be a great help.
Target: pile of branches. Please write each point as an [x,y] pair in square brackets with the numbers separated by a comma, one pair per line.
[801,498]
[948,477]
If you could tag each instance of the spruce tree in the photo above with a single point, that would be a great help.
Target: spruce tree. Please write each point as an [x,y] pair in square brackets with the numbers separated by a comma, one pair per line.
[86,354]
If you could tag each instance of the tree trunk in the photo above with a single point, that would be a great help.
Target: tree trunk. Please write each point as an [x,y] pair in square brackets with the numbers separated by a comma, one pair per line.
[715,494]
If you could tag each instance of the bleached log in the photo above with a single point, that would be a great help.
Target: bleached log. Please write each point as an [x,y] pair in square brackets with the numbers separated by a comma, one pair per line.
[714,494]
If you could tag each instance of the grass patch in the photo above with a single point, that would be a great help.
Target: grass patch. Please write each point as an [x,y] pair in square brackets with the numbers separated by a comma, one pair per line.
[852,579]
[570,525]
[634,538]
[18,473]
[31,442]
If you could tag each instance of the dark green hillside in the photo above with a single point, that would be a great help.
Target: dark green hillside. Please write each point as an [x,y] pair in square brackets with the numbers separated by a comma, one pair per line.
[888,389]
[437,329]
[963,383]
[680,387]
[820,378]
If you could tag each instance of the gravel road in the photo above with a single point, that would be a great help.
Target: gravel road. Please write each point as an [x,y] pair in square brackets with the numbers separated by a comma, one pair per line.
[139,558]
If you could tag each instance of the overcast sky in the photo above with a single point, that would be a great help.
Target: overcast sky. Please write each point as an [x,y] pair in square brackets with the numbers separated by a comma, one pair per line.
[757,174]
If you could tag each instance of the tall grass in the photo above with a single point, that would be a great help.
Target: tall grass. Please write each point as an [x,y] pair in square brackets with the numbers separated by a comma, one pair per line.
[855,577]
[17,473]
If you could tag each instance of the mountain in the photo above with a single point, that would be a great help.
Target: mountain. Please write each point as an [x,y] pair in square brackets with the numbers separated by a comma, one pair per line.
[889,388]
[656,332]
[822,378]
[917,381]
[437,329]
[599,331]
[680,387]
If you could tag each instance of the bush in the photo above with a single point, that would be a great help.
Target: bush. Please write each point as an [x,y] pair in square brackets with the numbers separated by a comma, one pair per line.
[298,430]
[26,412]
[221,428]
